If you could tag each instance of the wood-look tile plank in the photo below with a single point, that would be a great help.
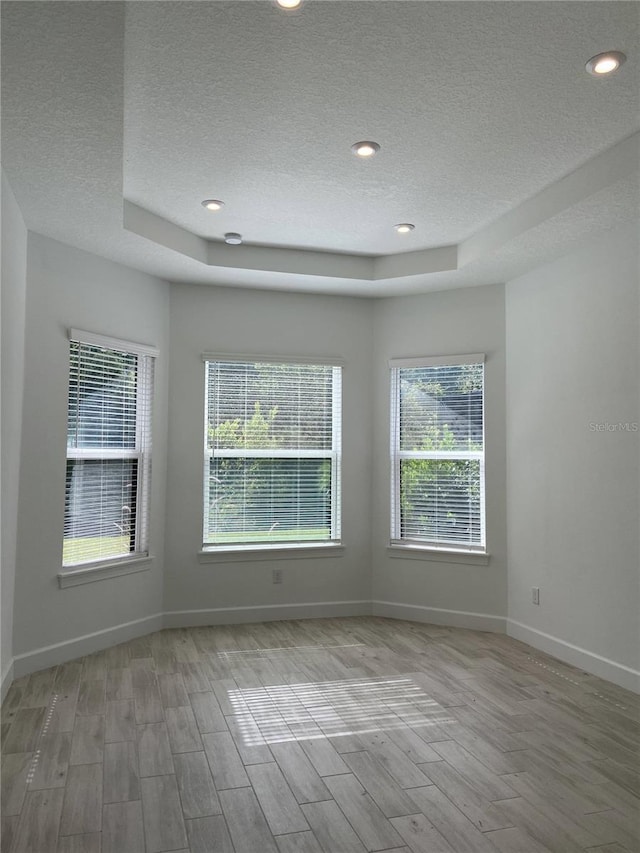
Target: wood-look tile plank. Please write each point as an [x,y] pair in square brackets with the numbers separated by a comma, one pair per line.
[331,828]
[625,777]
[394,760]
[25,730]
[87,743]
[8,827]
[515,840]
[412,745]
[421,836]
[209,717]
[122,828]
[119,684]
[229,697]
[154,750]
[38,689]
[247,825]
[248,739]
[449,821]
[536,824]
[61,711]
[86,843]
[475,772]
[465,796]
[383,789]
[37,829]
[274,795]
[146,696]
[304,781]
[196,676]
[14,695]
[148,707]
[68,676]
[15,769]
[610,795]
[172,690]
[163,822]
[481,748]
[95,665]
[363,814]
[547,803]
[569,792]
[300,842]
[120,721]
[51,761]
[568,796]
[182,729]
[225,763]
[614,826]
[195,784]
[121,781]
[117,657]
[82,811]
[139,648]
[166,662]
[207,834]
[91,697]
[321,752]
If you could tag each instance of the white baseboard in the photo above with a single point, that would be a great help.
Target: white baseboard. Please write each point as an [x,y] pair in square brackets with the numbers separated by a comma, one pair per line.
[623,676]
[70,649]
[7,678]
[85,645]
[439,616]
[265,613]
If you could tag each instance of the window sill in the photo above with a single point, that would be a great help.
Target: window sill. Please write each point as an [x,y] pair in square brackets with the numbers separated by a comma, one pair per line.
[92,572]
[437,555]
[255,553]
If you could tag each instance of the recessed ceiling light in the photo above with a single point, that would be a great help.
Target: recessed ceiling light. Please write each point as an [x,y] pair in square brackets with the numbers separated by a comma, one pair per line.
[212,203]
[232,238]
[365,149]
[288,4]
[605,63]
[404,227]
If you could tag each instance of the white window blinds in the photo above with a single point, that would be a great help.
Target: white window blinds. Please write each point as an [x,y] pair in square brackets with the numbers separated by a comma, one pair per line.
[272,452]
[108,449]
[437,452]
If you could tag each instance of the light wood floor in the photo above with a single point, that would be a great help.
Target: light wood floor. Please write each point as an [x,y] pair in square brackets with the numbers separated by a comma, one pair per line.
[334,735]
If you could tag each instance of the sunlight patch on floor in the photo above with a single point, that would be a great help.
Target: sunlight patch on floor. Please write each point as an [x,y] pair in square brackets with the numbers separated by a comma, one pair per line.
[328,709]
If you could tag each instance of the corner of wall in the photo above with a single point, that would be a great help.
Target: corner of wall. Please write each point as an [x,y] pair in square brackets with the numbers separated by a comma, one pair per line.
[12,319]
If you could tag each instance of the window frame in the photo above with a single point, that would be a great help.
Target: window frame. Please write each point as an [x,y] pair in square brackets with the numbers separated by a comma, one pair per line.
[441,549]
[211,551]
[135,559]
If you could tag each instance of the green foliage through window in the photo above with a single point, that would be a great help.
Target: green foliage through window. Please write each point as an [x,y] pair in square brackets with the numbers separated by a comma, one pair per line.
[438,455]
[272,452]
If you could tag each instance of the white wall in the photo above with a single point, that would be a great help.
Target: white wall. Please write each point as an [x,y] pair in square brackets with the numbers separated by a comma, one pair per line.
[572,359]
[445,323]
[205,319]
[12,311]
[572,354]
[70,288]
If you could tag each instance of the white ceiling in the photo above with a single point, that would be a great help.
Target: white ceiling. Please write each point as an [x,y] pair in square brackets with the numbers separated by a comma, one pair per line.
[481,109]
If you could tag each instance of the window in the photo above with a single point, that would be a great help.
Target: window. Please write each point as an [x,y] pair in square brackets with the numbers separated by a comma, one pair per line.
[437,453]
[272,453]
[108,449]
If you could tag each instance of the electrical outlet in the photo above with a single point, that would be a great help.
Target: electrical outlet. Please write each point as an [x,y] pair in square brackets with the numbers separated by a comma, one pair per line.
[276,576]
[535,595]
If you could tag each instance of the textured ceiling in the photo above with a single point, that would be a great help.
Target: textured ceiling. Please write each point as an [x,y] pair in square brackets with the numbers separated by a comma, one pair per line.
[477,106]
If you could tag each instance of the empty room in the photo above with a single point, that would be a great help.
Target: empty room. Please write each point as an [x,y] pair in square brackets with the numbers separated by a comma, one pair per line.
[320,414]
